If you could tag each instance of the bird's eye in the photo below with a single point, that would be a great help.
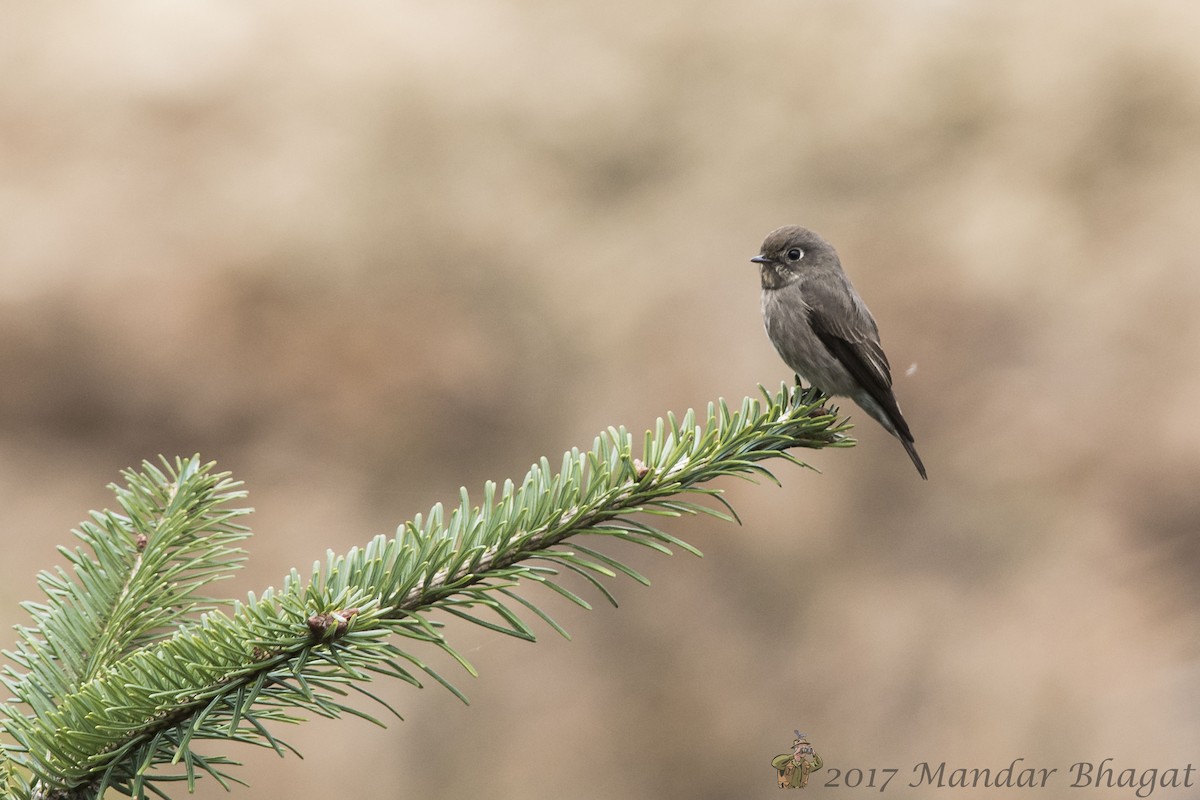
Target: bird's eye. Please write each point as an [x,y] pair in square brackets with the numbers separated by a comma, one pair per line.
[795,254]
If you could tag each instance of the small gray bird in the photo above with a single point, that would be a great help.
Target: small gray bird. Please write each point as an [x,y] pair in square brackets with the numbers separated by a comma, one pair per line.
[823,330]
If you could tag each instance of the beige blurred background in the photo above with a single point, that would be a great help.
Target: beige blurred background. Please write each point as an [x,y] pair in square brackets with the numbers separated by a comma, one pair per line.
[364,254]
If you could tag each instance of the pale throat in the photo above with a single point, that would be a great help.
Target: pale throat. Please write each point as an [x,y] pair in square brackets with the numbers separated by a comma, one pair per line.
[773,277]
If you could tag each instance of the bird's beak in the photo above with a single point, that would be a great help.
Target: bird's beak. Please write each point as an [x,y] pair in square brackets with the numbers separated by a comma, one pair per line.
[761,260]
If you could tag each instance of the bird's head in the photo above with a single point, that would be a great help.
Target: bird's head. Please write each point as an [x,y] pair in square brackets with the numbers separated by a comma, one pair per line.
[789,251]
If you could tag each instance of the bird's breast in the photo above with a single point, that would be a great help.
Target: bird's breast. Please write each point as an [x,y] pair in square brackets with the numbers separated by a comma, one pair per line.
[783,303]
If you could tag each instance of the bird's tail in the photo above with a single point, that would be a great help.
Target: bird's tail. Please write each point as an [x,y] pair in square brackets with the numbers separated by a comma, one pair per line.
[912,453]
[893,422]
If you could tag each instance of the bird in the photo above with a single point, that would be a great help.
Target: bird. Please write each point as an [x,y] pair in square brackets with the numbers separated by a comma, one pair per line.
[823,330]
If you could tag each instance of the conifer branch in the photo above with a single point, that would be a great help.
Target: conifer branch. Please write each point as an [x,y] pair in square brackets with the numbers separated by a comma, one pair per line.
[127,667]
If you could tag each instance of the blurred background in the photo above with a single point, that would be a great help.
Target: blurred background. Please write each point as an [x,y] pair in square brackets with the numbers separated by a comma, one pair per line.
[362,255]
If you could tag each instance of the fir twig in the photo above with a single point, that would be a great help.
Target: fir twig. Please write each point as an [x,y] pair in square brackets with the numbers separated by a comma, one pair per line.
[127,666]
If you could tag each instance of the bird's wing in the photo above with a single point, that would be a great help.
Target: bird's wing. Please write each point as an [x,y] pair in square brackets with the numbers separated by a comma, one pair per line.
[846,328]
